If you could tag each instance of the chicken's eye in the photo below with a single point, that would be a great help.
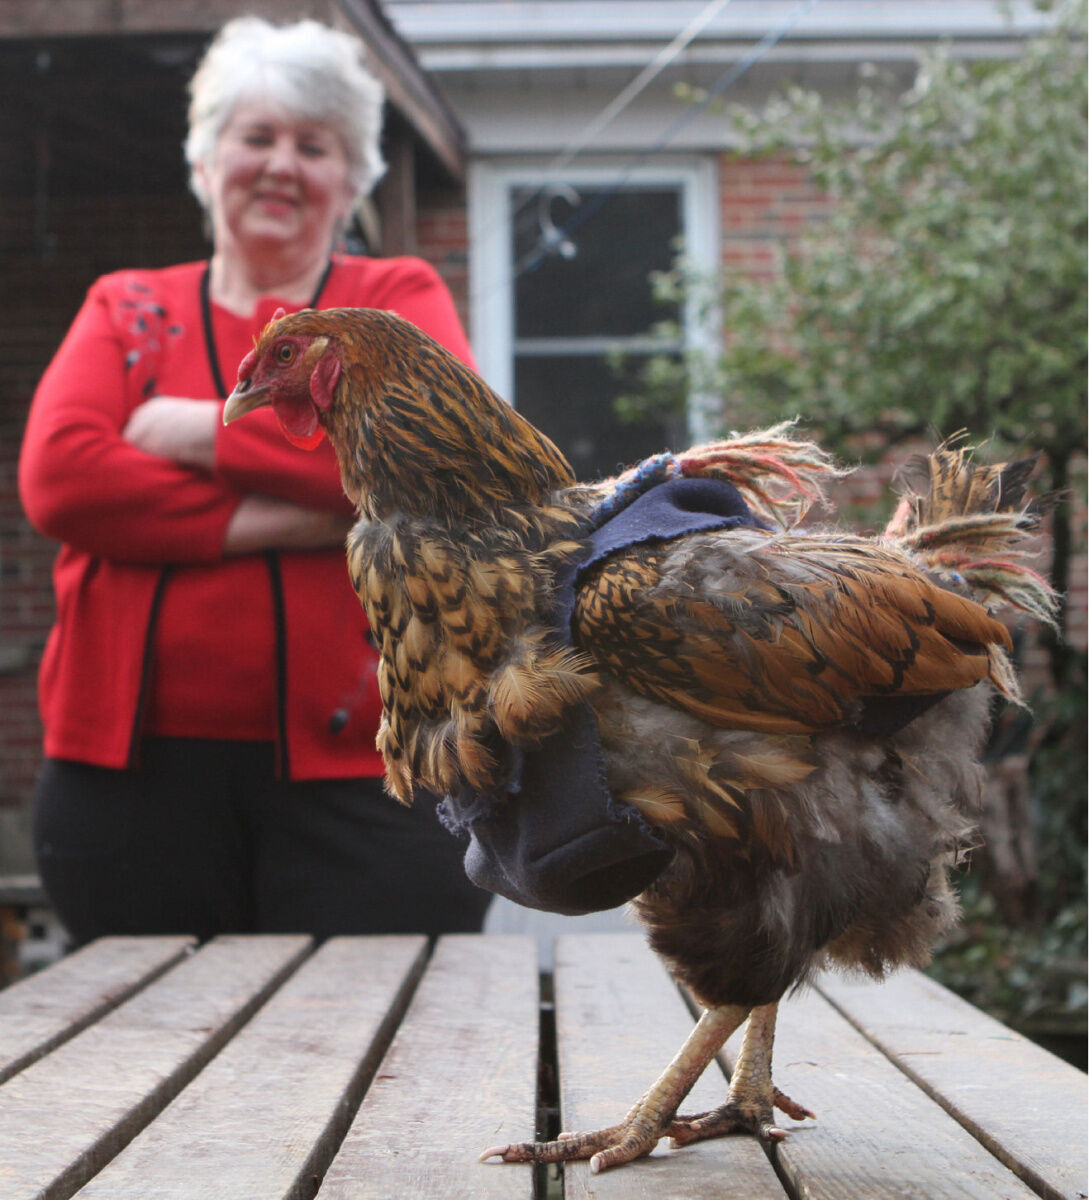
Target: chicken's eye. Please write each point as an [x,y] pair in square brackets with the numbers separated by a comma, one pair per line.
[285,353]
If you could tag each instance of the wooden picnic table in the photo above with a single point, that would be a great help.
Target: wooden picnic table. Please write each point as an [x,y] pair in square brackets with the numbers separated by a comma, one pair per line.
[261,1068]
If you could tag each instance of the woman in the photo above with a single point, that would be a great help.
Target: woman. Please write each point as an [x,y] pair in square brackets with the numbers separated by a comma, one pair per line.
[208,689]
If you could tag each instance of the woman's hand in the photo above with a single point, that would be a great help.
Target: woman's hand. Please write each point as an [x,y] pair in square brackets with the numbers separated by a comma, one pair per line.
[266,523]
[176,428]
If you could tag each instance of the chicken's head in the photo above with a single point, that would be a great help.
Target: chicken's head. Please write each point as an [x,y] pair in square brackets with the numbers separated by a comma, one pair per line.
[295,373]
[413,428]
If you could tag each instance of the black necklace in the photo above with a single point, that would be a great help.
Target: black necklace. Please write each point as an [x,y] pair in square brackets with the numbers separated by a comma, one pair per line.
[209,334]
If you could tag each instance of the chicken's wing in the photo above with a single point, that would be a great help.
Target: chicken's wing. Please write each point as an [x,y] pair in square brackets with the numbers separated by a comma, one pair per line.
[778,634]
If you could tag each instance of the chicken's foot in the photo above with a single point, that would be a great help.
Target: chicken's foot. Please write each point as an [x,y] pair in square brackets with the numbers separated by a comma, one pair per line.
[652,1116]
[752,1099]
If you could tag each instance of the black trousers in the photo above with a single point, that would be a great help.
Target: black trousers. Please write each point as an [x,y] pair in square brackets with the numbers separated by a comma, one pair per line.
[203,839]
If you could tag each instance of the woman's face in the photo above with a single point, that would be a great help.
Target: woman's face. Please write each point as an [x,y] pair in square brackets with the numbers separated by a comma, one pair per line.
[276,181]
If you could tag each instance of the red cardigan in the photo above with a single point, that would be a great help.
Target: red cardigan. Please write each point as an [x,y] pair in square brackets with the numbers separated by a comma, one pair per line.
[156,632]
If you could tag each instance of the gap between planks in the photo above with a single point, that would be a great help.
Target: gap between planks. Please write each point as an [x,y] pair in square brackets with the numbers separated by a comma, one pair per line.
[44,1010]
[1025,1105]
[95,1092]
[460,1075]
[265,1116]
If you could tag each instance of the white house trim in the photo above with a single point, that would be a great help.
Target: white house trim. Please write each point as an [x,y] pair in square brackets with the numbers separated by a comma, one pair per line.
[440,23]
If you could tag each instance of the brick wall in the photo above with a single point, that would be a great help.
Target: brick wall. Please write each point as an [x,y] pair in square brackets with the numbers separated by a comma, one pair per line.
[763,205]
[442,234]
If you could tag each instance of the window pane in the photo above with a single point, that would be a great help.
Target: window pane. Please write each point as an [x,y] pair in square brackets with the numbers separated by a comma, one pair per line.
[570,399]
[604,288]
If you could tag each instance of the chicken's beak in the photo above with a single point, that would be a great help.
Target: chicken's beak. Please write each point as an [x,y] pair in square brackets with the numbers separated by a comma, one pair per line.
[244,399]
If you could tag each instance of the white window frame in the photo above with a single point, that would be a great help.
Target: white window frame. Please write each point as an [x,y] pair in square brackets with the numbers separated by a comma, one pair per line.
[491,291]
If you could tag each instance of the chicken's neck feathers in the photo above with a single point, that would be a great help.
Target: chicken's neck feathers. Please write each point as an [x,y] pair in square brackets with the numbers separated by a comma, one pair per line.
[438,442]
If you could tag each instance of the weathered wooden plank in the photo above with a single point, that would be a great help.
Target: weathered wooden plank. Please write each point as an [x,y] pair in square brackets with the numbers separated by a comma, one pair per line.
[879,1136]
[619,1021]
[1025,1105]
[265,1116]
[90,1096]
[46,1008]
[460,1075]
[21,888]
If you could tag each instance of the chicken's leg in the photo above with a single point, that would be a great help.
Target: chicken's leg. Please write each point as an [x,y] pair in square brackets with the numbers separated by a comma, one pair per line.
[752,1096]
[652,1116]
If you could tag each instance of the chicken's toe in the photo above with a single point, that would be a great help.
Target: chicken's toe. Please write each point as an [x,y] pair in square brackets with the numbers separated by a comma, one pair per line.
[737,1116]
[651,1117]
[792,1108]
[728,1118]
[568,1147]
[636,1136]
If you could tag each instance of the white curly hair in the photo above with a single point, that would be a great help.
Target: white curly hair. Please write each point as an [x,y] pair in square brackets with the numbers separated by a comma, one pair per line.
[313,71]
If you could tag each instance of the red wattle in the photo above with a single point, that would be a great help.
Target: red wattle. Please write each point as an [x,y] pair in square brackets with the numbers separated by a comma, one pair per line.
[305,443]
[299,423]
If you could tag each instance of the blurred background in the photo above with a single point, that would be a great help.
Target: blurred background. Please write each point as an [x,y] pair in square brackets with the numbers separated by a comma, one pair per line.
[661,219]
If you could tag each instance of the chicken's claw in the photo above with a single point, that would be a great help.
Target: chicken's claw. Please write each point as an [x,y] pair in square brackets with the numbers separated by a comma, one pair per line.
[566,1148]
[610,1147]
[735,1117]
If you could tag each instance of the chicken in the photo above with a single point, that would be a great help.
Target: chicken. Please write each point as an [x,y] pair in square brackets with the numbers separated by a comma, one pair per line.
[796,715]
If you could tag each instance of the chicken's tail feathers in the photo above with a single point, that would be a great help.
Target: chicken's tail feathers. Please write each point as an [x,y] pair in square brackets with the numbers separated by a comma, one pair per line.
[950,483]
[971,524]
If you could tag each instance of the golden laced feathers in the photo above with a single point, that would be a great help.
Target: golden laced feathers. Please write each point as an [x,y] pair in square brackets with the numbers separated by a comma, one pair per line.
[456,557]
[781,631]
[468,659]
[964,521]
[471,515]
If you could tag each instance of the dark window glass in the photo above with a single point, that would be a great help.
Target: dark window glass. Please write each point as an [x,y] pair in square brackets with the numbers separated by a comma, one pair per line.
[604,287]
[570,399]
[572,308]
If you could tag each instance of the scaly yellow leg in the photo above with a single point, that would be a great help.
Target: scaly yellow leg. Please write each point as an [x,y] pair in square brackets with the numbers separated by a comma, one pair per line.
[752,1097]
[652,1116]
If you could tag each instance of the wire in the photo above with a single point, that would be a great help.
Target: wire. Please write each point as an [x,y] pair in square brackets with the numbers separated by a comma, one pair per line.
[729,77]
[649,73]
[726,80]
[552,239]
[605,118]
